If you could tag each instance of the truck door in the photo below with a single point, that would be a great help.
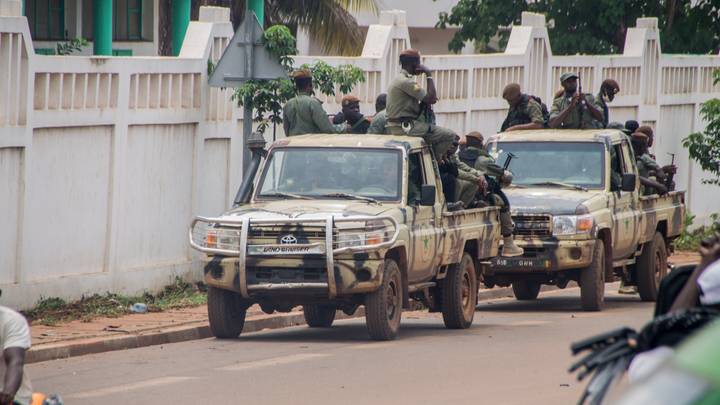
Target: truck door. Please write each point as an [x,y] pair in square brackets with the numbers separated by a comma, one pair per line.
[421,219]
[623,206]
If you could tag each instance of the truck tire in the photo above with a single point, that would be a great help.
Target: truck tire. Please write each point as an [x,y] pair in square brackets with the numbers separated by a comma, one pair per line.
[651,267]
[459,292]
[319,316]
[526,290]
[383,307]
[592,280]
[226,312]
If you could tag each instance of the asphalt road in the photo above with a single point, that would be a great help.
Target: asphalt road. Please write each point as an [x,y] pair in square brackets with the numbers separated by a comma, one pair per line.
[515,353]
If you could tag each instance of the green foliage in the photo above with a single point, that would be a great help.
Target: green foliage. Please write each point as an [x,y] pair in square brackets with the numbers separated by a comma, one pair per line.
[70,47]
[50,311]
[267,97]
[690,239]
[589,26]
[704,147]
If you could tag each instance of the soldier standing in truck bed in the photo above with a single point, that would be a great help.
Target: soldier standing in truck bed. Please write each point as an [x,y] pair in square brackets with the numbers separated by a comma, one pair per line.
[405,115]
[377,126]
[573,109]
[304,114]
[524,113]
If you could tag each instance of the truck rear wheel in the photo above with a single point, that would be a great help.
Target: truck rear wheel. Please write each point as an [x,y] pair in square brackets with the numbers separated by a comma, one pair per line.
[384,306]
[525,290]
[226,312]
[459,294]
[651,267]
[592,280]
[319,316]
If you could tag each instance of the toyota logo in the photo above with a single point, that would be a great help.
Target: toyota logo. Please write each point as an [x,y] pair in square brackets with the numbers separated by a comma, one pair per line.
[288,240]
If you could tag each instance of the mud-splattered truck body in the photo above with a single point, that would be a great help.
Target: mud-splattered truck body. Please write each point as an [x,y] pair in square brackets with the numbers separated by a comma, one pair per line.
[579,215]
[337,222]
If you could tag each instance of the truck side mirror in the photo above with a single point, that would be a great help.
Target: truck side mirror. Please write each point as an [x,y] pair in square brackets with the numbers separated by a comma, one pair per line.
[427,195]
[628,182]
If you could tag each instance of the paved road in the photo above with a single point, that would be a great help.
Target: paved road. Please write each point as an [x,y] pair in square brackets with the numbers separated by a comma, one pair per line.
[515,353]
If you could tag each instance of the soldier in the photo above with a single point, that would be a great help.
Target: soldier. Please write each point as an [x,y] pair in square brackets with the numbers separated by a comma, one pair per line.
[647,167]
[524,113]
[468,180]
[377,126]
[405,99]
[631,126]
[354,122]
[573,110]
[476,156]
[608,89]
[304,114]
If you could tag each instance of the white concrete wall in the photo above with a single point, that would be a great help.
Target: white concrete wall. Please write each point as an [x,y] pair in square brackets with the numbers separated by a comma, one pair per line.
[104,161]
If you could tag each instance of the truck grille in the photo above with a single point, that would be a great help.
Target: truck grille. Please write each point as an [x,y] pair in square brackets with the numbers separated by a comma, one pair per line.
[533,225]
[263,234]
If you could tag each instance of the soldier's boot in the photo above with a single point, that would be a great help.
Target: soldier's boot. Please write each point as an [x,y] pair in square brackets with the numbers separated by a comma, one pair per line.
[510,249]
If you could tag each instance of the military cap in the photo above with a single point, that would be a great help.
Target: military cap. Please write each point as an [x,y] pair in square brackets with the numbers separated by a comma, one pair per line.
[349,99]
[302,74]
[568,75]
[411,53]
[645,130]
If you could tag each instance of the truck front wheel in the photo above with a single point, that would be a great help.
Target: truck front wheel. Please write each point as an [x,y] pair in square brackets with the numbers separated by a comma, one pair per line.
[592,280]
[319,316]
[384,306]
[226,312]
[459,294]
[651,267]
[525,290]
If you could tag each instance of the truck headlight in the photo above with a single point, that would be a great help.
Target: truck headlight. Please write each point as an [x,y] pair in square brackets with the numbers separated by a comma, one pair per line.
[572,224]
[221,238]
[349,240]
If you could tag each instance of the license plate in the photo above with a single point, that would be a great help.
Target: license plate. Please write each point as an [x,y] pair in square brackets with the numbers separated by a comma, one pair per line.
[280,250]
[521,262]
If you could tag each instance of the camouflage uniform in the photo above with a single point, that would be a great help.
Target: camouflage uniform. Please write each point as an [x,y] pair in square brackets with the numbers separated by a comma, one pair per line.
[466,186]
[645,165]
[304,114]
[525,112]
[379,121]
[601,105]
[572,121]
[403,107]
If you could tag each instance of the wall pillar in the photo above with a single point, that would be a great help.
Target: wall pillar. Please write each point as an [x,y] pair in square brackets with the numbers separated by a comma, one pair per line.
[102,27]
[258,7]
[180,21]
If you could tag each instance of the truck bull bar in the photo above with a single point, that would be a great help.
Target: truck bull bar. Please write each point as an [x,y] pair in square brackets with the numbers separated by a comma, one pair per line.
[244,225]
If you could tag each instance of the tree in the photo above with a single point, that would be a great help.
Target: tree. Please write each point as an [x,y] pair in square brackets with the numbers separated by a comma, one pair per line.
[704,147]
[327,21]
[267,97]
[589,26]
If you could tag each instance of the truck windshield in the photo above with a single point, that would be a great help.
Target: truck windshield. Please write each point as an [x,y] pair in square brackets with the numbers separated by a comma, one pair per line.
[544,163]
[332,173]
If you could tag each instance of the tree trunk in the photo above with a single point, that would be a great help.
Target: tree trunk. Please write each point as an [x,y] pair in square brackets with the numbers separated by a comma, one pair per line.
[165,28]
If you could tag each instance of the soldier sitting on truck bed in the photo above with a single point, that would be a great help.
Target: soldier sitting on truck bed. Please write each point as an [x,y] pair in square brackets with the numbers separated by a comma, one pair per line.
[525,112]
[574,109]
[377,126]
[475,155]
[351,118]
[469,180]
[647,167]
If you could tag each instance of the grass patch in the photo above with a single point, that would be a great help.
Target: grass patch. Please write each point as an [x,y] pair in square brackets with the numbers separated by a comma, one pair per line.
[690,240]
[51,311]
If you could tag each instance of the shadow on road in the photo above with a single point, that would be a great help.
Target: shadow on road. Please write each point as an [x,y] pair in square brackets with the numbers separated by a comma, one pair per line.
[558,303]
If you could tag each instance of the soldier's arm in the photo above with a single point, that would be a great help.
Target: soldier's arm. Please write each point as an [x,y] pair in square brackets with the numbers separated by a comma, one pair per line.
[557,116]
[376,127]
[536,118]
[286,123]
[592,108]
[320,118]
[652,165]
[654,184]
[412,89]
[464,167]
[431,96]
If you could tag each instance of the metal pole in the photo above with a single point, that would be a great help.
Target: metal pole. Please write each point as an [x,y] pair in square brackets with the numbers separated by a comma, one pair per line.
[102,27]
[180,21]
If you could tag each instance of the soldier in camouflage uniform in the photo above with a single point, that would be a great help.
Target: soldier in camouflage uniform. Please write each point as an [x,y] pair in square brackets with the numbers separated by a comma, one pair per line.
[573,110]
[608,89]
[469,180]
[524,112]
[648,169]
[475,155]
[405,115]
[304,114]
[353,122]
[379,121]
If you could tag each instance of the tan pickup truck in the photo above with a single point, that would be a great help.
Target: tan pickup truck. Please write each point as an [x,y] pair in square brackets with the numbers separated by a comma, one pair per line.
[580,216]
[333,222]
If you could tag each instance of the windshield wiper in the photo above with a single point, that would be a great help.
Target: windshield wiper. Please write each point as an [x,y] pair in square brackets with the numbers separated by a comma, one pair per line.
[560,184]
[351,196]
[286,195]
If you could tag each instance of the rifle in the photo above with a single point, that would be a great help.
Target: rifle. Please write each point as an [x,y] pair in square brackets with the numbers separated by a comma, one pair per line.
[670,177]
[582,102]
[508,159]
